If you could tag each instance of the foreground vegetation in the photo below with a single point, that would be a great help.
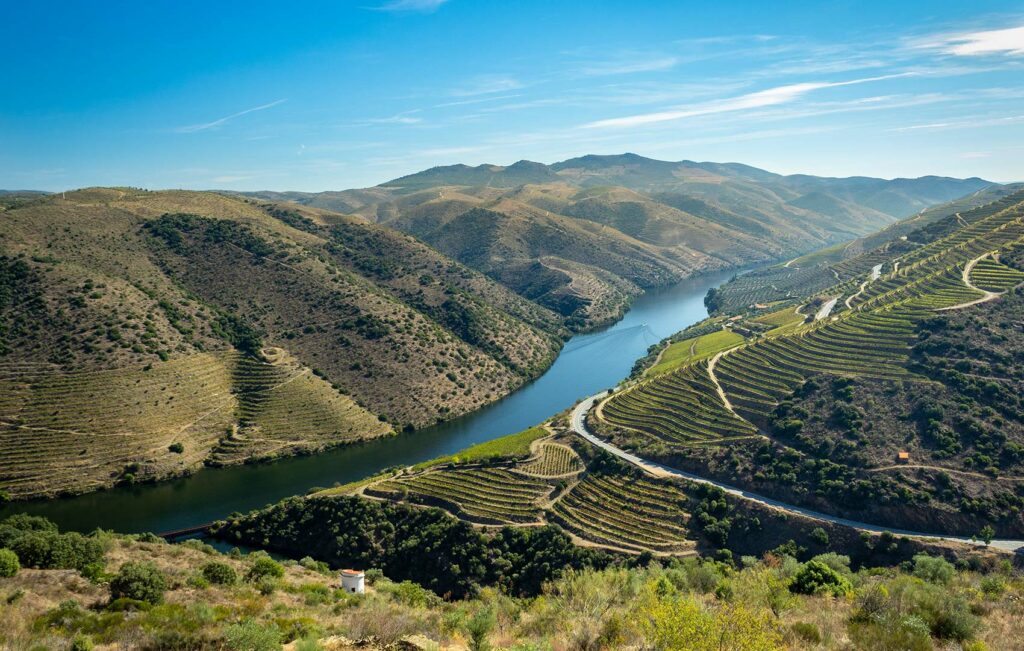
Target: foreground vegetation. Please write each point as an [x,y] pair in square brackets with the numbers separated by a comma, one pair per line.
[139,592]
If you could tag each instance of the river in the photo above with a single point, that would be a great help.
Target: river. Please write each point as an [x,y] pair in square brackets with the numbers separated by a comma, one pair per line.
[587,364]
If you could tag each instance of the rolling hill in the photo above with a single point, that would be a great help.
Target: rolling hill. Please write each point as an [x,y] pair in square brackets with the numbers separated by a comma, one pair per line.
[583,236]
[144,334]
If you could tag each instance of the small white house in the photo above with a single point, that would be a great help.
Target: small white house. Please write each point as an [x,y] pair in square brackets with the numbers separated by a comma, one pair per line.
[353,581]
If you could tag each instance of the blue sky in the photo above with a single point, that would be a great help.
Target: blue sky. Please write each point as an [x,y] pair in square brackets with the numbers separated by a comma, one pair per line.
[333,95]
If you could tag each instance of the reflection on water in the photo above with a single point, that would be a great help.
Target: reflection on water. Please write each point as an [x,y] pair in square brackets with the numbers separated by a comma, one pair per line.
[587,364]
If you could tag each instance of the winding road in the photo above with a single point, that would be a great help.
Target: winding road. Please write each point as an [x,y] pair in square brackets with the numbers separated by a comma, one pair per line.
[577,422]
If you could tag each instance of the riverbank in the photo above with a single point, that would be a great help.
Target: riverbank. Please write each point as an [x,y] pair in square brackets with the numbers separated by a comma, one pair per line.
[587,363]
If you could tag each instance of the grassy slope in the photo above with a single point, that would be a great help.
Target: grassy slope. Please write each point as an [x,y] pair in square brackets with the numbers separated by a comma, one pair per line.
[356,321]
[693,350]
[307,603]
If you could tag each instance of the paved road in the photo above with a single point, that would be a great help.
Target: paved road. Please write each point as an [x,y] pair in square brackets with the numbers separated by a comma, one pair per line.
[577,421]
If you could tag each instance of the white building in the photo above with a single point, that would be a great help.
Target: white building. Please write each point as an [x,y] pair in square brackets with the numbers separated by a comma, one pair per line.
[353,581]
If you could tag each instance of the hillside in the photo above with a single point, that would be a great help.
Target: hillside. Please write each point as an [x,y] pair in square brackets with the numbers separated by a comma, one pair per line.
[138,592]
[883,388]
[145,334]
[584,235]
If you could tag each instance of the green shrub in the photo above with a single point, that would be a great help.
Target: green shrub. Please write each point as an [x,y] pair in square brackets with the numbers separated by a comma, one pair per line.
[9,564]
[815,577]
[807,631]
[141,581]
[5,497]
[993,586]
[252,636]
[820,536]
[176,448]
[81,643]
[219,573]
[933,569]
[264,567]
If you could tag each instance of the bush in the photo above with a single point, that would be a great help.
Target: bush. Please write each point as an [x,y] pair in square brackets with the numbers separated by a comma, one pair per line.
[81,643]
[820,536]
[252,636]
[9,564]
[176,448]
[219,573]
[5,497]
[140,581]
[807,631]
[933,569]
[264,567]
[52,550]
[815,577]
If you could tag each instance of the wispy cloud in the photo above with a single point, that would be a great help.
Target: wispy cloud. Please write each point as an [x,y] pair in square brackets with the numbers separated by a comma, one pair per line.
[631,66]
[1009,41]
[759,99]
[401,118]
[422,6]
[970,123]
[487,84]
[192,128]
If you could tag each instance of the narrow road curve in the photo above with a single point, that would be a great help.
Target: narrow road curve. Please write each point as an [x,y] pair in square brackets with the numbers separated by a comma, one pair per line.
[876,271]
[966,277]
[577,422]
[718,387]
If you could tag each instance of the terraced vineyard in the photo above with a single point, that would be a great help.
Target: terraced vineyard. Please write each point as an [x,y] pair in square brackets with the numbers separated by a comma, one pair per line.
[993,276]
[626,512]
[80,430]
[72,431]
[552,460]
[284,406]
[484,495]
[871,340]
[770,285]
[679,409]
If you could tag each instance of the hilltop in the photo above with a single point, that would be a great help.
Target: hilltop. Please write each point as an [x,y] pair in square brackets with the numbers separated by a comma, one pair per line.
[584,235]
[145,334]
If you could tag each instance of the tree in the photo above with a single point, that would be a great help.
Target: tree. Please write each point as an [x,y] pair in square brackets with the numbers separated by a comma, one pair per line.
[986,534]
[264,567]
[815,577]
[9,564]
[139,581]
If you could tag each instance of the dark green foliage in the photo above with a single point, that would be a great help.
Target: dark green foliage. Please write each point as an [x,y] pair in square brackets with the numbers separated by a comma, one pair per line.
[219,573]
[815,577]
[236,331]
[176,448]
[264,567]
[819,536]
[140,581]
[39,544]
[426,546]
[9,564]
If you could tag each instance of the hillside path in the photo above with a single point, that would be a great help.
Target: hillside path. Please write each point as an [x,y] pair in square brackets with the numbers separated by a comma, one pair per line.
[577,422]
[966,277]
